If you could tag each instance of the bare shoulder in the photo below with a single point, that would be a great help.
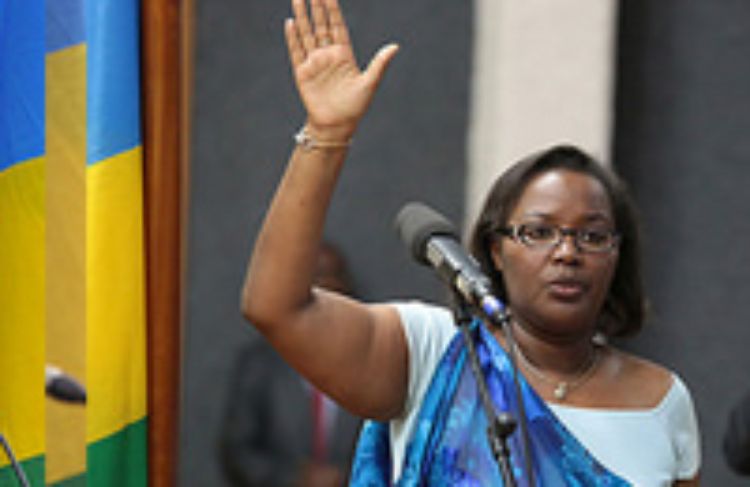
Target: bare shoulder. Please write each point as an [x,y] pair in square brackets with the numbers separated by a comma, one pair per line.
[642,382]
[642,367]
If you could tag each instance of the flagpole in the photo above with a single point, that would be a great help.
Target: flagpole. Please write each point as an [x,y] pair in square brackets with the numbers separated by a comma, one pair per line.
[167,68]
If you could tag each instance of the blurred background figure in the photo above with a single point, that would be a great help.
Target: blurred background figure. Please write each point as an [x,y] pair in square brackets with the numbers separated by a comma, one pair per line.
[278,430]
[737,437]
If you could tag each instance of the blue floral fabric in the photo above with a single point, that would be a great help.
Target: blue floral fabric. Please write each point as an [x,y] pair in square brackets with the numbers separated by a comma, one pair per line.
[449,445]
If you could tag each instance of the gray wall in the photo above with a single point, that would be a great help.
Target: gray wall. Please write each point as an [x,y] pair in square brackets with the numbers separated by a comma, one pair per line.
[410,146]
[682,142]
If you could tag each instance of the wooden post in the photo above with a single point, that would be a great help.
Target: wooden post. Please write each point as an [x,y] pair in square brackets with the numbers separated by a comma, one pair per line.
[166,90]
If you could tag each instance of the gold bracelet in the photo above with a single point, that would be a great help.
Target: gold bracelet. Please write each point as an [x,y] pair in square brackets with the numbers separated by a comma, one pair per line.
[304,139]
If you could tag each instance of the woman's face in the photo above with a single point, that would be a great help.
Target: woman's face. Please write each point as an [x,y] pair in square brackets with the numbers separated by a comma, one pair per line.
[558,291]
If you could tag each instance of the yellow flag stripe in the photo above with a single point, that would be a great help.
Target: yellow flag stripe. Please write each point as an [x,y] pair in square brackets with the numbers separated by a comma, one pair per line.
[116,316]
[66,248]
[22,307]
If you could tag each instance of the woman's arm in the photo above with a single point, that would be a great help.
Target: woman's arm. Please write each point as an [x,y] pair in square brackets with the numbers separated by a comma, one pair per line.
[354,352]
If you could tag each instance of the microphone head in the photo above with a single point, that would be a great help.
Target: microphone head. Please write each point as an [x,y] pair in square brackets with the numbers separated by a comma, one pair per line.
[61,386]
[416,223]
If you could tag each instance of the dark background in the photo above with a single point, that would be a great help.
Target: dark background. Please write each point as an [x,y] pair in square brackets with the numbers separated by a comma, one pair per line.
[681,140]
[683,91]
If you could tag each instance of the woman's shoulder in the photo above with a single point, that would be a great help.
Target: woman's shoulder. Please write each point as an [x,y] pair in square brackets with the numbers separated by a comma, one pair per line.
[643,367]
[643,382]
[424,318]
[421,307]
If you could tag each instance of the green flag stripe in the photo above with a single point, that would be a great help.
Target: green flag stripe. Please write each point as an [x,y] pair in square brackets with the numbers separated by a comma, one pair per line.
[120,459]
[32,467]
[77,481]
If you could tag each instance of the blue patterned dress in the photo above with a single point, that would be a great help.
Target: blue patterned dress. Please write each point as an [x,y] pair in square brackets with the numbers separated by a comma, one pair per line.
[449,445]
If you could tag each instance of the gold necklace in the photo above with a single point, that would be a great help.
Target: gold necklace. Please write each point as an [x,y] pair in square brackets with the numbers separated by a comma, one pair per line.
[563,387]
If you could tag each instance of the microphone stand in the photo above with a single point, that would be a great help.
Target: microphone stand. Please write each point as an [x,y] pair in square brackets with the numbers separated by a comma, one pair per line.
[14,463]
[501,425]
[504,324]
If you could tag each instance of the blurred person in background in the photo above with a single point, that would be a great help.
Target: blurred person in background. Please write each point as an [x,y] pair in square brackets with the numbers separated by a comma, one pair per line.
[737,437]
[279,430]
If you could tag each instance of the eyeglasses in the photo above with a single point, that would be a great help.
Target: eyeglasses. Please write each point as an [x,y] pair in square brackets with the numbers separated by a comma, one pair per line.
[547,236]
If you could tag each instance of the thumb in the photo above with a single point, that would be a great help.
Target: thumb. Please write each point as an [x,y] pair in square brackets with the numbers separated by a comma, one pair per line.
[379,63]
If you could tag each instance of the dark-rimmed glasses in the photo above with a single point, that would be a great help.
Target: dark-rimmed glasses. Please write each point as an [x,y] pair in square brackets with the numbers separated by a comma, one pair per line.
[547,236]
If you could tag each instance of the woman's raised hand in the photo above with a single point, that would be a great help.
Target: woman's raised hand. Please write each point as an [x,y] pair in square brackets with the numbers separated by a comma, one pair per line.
[335,92]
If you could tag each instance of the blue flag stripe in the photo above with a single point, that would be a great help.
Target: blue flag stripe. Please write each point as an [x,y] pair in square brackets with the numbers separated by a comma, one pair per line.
[65,24]
[113,96]
[21,81]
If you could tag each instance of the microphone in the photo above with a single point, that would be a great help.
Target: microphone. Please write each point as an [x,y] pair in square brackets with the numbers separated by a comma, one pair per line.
[433,241]
[61,386]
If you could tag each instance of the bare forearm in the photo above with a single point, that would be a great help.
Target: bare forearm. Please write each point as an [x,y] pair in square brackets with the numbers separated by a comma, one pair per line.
[333,340]
[280,272]
[336,94]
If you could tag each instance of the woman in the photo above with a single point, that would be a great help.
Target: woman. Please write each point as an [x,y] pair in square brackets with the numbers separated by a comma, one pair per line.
[559,241]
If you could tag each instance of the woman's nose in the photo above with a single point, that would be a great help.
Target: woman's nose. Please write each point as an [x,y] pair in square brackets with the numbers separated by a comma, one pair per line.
[567,248]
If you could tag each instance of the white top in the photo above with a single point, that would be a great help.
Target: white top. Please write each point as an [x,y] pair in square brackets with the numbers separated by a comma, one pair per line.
[654,447]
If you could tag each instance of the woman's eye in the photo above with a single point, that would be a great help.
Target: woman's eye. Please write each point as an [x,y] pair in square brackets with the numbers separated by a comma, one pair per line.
[594,236]
[538,232]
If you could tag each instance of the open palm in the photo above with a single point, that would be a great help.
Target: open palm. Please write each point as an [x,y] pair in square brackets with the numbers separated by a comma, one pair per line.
[335,92]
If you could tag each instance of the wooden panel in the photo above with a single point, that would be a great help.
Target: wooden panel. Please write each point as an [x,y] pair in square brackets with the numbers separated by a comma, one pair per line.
[167,64]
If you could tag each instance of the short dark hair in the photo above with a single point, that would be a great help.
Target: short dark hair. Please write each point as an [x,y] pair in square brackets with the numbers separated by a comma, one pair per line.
[624,308]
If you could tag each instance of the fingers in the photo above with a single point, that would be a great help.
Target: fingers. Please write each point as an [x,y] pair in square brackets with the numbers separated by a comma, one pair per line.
[381,60]
[315,33]
[320,20]
[302,22]
[293,43]
[327,26]
[337,25]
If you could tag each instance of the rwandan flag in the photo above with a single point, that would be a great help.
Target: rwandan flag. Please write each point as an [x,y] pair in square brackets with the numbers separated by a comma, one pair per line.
[72,290]
[22,233]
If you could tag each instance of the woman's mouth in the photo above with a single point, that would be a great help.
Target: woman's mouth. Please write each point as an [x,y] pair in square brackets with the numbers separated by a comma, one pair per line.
[566,289]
